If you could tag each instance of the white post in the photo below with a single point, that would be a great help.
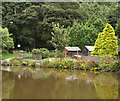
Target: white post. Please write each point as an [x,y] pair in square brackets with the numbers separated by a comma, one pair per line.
[19,49]
[77,54]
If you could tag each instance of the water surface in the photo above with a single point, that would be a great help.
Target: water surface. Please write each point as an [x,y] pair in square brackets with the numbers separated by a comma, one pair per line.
[47,83]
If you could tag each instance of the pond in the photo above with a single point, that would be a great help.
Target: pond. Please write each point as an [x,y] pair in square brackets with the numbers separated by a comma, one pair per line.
[50,83]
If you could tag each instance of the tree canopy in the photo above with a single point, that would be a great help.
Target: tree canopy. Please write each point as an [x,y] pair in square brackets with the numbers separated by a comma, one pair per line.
[85,34]
[31,22]
[7,40]
[60,37]
[106,43]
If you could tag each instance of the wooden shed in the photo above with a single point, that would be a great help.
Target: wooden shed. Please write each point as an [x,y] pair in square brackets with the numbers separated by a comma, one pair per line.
[71,51]
[86,50]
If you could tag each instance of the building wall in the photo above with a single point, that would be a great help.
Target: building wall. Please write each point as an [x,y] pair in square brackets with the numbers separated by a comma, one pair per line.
[70,54]
[119,55]
[85,51]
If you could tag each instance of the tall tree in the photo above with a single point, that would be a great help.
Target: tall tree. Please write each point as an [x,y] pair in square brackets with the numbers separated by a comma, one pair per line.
[106,43]
[31,22]
[60,37]
[7,40]
[81,35]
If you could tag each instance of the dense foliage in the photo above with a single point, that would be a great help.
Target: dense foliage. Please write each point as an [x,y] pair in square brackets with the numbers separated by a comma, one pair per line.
[7,40]
[60,37]
[81,35]
[31,22]
[42,52]
[106,43]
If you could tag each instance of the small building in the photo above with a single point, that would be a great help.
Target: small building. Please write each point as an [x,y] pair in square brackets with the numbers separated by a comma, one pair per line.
[86,50]
[71,51]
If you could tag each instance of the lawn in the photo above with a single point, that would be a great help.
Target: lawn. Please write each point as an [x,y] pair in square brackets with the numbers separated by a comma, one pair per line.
[6,56]
[10,55]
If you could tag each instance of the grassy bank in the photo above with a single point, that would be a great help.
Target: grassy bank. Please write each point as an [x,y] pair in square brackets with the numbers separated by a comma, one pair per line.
[16,55]
[6,56]
[50,59]
[106,63]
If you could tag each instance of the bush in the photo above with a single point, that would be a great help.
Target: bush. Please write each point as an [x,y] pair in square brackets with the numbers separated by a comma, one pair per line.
[107,59]
[44,52]
[104,65]
[115,66]
[59,53]
[24,63]
[91,64]
[15,61]
[35,51]
[47,64]
[32,64]
[5,51]
[6,63]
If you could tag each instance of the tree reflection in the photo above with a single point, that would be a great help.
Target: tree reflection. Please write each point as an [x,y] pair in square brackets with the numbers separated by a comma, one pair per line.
[7,85]
[107,87]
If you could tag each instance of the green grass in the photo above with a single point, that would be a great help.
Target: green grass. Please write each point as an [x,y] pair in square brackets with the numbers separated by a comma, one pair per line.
[6,56]
[10,55]
[52,53]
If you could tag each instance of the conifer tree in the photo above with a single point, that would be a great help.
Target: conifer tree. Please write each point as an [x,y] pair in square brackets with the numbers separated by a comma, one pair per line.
[106,43]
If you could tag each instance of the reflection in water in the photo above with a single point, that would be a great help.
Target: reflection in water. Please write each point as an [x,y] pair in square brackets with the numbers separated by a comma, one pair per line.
[49,83]
[7,85]
[107,88]
[71,77]
[6,69]
[0,85]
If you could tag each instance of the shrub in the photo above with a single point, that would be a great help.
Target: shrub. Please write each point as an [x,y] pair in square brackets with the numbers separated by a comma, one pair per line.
[47,64]
[104,66]
[15,62]
[115,66]
[4,51]
[56,65]
[107,59]
[63,64]
[91,64]
[59,53]
[24,63]
[44,52]
[6,63]
[32,63]
[35,51]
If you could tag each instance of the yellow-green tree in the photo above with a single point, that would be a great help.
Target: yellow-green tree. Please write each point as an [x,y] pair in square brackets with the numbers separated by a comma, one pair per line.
[7,40]
[106,43]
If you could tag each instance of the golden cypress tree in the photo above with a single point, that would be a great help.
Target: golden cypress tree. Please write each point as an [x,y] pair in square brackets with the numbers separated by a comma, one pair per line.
[106,43]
